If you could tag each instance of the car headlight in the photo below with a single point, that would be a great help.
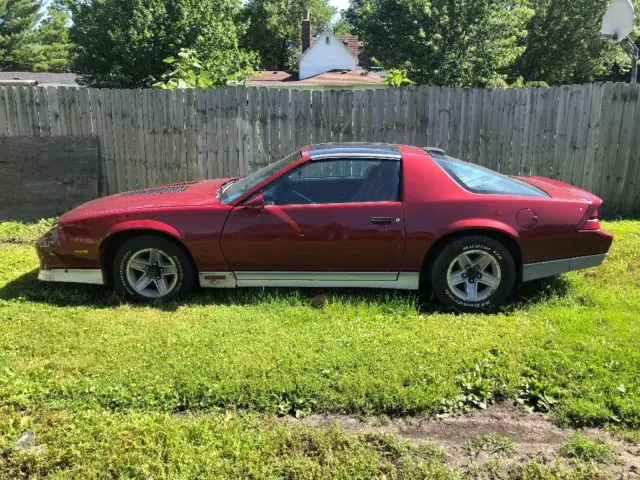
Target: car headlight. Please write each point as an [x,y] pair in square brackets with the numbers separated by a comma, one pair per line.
[49,238]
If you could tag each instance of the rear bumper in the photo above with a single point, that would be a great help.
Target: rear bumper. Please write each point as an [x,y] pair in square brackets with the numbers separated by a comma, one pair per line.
[90,276]
[534,271]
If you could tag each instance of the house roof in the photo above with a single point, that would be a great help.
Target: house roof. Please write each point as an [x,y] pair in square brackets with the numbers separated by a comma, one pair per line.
[353,43]
[334,77]
[271,76]
[41,78]
[344,77]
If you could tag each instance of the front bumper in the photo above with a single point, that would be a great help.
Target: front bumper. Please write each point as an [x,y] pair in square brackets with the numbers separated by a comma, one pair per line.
[534,271]
[68,275]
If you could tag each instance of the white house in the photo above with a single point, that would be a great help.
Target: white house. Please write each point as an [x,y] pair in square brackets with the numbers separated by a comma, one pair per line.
[327,53]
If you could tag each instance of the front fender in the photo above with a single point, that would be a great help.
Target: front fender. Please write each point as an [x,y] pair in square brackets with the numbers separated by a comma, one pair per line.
[152,225]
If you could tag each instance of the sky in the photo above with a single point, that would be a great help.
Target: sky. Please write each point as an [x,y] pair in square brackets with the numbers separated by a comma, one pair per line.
[340,4]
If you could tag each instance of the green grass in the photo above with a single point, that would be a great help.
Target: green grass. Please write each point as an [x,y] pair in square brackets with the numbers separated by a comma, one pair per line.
[78,355]
[582,448]
[19,232]
[493,444]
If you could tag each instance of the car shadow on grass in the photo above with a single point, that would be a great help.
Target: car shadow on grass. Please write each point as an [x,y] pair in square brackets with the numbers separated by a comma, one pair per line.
[29,288]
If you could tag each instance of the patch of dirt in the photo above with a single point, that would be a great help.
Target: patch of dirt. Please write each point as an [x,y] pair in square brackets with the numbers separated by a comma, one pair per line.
[534,435]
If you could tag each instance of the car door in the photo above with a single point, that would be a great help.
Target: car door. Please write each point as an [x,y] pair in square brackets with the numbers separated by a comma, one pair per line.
[340,218]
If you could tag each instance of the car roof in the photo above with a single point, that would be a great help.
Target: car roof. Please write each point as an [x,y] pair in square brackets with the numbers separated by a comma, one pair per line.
[370,150]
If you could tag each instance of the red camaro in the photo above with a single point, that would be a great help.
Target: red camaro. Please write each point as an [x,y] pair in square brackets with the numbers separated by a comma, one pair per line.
[334,215]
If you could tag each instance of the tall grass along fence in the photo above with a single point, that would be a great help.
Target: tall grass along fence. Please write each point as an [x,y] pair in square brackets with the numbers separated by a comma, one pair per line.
[587,135]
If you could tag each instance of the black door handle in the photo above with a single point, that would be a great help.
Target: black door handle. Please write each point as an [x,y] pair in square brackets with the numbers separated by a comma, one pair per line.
[381,220]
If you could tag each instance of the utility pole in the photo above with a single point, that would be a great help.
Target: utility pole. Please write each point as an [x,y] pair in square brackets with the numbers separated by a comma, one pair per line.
[634,60]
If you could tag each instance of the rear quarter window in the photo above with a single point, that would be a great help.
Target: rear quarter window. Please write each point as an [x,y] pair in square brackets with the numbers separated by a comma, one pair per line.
[481,180]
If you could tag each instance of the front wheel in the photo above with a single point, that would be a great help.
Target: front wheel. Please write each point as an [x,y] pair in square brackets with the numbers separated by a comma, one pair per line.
[473,274]
[149,267]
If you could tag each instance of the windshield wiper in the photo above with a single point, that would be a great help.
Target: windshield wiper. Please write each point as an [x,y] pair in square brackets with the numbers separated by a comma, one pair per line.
[225,186]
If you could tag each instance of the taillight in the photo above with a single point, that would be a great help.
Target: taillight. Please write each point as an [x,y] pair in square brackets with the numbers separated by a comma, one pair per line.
[593,223]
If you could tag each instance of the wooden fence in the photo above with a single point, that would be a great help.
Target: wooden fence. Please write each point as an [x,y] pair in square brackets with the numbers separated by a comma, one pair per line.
[587,135]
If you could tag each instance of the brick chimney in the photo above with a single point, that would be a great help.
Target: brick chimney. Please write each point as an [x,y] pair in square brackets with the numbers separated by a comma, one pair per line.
[306,32]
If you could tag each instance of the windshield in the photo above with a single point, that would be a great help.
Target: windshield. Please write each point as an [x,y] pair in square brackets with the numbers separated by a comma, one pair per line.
[478,179]
[234,189]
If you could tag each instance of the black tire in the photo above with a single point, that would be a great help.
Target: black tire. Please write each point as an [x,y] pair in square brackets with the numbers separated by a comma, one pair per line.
[475,246]
[181,282]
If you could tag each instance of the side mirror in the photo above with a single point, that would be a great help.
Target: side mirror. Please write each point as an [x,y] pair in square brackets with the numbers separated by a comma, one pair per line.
[255,203]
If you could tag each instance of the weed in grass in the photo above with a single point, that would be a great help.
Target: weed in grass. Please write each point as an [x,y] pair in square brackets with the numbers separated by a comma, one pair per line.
[539,471]
[492,444]
[480,387]
[628,435]
[536,394]
[582,448]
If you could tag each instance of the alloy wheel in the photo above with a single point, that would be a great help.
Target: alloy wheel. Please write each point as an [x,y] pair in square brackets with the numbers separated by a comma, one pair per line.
[473,276]
[152,273]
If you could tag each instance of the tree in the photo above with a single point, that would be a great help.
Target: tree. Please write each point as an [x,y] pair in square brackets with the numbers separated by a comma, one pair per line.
[563,44]
[443,42]
[342,26]
[122,43]
[18,18]
[50,40]
[275,29]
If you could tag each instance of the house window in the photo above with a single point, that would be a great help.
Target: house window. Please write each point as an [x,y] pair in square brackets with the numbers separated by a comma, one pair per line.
[327,40]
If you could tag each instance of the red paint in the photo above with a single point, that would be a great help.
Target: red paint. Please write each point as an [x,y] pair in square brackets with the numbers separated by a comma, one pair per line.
[333,237]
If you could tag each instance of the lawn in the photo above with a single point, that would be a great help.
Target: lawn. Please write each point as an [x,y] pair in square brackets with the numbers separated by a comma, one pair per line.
[197,388]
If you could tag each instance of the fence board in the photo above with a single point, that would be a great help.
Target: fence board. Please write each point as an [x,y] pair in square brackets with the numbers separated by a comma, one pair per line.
[95,112]
[108,146]
[4,113]
[593,132]
[476,124]
[43,112]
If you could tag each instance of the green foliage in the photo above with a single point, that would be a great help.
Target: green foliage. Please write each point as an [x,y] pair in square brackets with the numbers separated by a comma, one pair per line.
[496,43]
[480,386]
[186,71]
[51,44]
[492,444]
[582,448]
[18,19]
[123,43]
[517,83]
[341,26]
[536,394]
[20,232]
[443,42]
[275,29]
[563,44]
[397,78]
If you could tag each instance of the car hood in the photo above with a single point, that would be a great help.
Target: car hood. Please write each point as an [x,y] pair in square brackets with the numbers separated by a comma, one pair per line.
[172,195]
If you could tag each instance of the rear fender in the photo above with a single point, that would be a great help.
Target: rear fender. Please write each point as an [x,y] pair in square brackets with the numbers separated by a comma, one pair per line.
[481,224]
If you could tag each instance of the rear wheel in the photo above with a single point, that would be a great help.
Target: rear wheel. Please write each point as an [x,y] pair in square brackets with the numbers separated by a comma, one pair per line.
[149,267]
[473,274]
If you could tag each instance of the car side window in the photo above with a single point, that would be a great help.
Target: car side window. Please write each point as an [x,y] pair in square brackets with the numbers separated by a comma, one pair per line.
[337,181]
